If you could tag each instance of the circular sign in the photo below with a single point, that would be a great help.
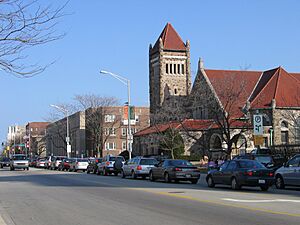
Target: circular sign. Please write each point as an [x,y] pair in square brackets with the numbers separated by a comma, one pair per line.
[257,119]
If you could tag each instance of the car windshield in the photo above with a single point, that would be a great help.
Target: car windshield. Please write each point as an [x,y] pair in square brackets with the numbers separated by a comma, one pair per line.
[19,157]
[148,161]
[251,164]
[263,159]
[180,163]
[5,159]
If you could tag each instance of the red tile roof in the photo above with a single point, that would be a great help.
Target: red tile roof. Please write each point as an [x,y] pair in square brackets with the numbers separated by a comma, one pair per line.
[279,85]
[225,81]
[188,124]
[170,38]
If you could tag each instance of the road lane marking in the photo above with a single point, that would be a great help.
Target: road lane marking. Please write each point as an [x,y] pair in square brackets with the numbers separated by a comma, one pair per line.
[186,197]
[2,221]
[260,201]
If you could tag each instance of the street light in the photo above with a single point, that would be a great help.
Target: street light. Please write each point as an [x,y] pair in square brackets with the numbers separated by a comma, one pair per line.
[66,112]
[126,82]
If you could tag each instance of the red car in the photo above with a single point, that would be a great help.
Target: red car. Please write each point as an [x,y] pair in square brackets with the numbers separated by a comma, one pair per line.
[64,165]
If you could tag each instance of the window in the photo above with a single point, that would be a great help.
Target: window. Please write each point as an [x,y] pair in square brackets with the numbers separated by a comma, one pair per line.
[178,68]
[297,127]
[284,137]
[110,131]
[171,65]
[109,118]
[174,68]
[167,68]
[294,162]
[175,91]
[232,165]
[124,145]
[182,69]
[124,130]
[224,165]
[110,145]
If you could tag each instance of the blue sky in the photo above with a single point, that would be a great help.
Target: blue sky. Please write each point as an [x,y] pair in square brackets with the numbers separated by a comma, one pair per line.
[115,36]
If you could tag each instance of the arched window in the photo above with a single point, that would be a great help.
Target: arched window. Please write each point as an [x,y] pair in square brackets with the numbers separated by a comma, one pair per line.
[297,131]
[284,133]
[215,142]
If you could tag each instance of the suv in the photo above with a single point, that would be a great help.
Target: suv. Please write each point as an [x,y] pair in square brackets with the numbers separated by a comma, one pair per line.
[289,173]
[19,161]
[48,162]
[138,166]
[4,162]
[107,166]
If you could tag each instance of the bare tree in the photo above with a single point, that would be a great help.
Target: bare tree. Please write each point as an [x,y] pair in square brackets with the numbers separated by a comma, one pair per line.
[23,25]
[227,111]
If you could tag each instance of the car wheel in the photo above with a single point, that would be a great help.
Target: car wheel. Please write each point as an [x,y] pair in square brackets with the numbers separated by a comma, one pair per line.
[151,177]
[194,181]
[87,171]
[12,168]
[94,171]
[27,168]
[24,168]
[264,187]
[234,184]
[75,170]
[279,183]
[210,182]
[1,166]
[133,175]
[167,178]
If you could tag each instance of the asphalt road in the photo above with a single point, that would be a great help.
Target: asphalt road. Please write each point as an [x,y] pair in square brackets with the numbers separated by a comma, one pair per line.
[46,197]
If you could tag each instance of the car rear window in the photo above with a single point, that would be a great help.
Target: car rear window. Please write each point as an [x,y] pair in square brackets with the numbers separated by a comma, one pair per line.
[250,164]
[180,163]
[148,161]
[82,160]
[263,159]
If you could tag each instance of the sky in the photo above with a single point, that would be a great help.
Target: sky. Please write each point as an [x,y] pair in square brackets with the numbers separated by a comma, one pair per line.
[115,36]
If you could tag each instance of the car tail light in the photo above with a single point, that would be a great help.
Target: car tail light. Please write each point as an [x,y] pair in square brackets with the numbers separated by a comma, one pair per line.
[177,169]
[271,174]
[249,173]
[97,161]
[139,167]
[107,163]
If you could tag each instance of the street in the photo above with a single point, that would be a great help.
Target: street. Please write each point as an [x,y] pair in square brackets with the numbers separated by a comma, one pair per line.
[47,197]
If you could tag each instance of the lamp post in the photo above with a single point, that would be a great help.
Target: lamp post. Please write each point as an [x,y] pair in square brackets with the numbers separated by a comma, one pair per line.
[66,112]
[126,82]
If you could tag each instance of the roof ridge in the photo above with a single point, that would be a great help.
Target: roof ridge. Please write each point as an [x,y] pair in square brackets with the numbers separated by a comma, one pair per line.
[237,70]
[277,82]
[248,99]
[265,84]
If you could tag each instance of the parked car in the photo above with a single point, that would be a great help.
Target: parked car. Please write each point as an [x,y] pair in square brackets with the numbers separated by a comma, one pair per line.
[241,172]
[56,161]
[175,169]
[289,173]
[32,162]
[64,165]
[4,161]
[107,166]
[78,164]
[41,163]
[266,160]
[48,161]
[93,165]
[19,161]
[138,167]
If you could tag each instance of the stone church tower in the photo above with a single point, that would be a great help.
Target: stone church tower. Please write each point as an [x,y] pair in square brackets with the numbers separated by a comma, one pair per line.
[169,71]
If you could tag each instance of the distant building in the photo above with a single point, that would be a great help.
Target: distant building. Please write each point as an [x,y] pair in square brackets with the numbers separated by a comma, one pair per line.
[14,139]
[35,138]
[96,131]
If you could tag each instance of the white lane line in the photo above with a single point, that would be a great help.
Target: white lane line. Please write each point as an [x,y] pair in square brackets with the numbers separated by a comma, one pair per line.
[2,221]
[260,201]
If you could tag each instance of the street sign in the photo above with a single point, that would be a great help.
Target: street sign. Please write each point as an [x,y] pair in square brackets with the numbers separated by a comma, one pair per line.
[258,140]
[68,148]
[258,128]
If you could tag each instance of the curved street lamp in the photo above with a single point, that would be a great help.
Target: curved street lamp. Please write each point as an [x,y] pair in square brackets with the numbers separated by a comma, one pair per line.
[126,82]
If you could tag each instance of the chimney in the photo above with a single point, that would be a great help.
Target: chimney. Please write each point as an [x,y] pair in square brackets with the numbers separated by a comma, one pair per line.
[200,64]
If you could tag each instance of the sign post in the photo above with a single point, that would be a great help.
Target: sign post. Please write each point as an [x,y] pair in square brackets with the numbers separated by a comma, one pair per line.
[258,130]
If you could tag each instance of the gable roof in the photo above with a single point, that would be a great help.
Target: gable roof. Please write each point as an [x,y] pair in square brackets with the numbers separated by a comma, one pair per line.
[224,81]
[279,85]
[171,39]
